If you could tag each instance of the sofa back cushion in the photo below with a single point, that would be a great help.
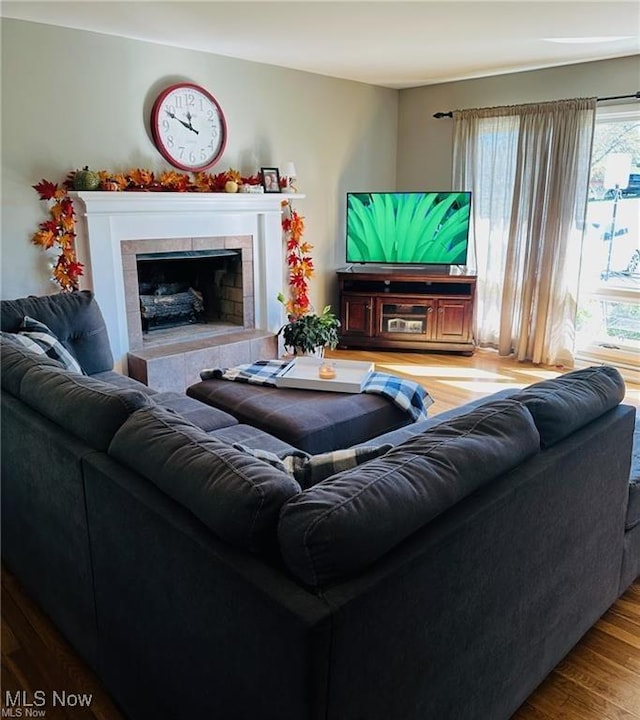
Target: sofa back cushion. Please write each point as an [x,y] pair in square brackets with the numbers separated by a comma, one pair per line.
[17,361]
[88,408]
[73,317]
[565,404]
[235,495]
[344,524]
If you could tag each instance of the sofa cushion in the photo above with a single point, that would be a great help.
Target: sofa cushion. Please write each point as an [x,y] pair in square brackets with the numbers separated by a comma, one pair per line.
[395,437]
[252,438]
[73,317]
[123,381]
[88,408]
[203,416]
[344,524]
[563,405]
[17,361]
[236,496]
[38,339]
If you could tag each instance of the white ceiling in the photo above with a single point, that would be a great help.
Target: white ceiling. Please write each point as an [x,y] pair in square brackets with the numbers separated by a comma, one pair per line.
[388,43]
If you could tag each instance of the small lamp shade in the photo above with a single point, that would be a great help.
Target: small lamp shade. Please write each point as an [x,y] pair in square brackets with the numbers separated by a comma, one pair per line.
[289,170]
[289,173]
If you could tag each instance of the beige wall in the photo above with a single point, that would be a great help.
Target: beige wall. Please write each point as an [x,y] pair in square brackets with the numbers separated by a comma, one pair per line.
[72,98]
[425,144]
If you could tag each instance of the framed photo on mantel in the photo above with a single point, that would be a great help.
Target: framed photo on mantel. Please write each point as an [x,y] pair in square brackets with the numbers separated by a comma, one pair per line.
[270,179]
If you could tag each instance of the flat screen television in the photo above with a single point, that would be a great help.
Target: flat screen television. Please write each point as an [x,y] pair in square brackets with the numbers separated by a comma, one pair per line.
[416,228]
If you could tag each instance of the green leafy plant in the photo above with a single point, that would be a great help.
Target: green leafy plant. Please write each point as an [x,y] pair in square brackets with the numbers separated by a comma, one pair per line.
[408,227]
[305,333]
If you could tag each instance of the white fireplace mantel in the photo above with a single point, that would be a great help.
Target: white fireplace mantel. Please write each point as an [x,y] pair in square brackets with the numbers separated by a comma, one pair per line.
[108,219]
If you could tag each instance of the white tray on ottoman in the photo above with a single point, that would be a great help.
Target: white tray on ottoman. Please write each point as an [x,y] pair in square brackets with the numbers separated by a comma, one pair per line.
[302,373]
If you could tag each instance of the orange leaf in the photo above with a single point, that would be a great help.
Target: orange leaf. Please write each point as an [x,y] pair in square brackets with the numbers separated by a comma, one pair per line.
[56,211]
[65,240]
[45,238]
[141,178]
[68,223]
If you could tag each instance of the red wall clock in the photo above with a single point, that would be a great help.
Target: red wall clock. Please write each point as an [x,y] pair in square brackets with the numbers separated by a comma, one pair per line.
[188,127]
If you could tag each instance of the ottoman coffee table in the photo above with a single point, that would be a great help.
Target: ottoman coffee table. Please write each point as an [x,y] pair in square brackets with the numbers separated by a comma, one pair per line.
[310,420]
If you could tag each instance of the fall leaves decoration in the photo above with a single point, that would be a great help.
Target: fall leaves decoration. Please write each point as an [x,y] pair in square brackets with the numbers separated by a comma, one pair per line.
[299,262]
[171,181]
[58,231]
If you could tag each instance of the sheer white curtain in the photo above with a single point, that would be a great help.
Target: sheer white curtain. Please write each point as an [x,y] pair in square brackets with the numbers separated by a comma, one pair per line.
[528,169]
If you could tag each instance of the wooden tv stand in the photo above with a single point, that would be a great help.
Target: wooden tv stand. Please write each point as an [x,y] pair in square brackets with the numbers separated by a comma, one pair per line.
[415,309]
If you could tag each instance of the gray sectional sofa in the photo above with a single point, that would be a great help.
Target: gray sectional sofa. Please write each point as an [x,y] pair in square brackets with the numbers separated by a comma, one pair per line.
[441,580]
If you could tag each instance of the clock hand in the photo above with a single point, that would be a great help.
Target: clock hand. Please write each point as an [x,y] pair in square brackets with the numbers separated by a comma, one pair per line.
[182,122]
[190,126]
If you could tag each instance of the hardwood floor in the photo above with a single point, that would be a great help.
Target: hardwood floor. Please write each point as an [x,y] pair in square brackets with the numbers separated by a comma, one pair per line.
[598,680]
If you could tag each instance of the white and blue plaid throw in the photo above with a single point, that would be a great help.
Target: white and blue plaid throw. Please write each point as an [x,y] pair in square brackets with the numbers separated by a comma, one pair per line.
[406,394]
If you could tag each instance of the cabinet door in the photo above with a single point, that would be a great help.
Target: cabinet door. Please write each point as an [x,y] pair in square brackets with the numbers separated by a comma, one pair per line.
[356,315]
[453,320]
[404,318]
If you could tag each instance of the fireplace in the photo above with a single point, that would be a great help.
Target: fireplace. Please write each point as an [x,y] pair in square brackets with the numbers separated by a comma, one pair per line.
[183,288]
[117,227]
[216,272]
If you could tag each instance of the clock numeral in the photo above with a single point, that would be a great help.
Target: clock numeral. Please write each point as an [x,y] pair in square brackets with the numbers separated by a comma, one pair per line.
[170,140]
[210,115]
[203,154]
[165,124]
[210,145]
[192,157]
[181,151]
[190,100]
[201,104]
[171,109]
[178,101]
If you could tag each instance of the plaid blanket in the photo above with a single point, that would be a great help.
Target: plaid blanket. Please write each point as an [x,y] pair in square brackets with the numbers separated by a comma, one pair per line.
[406,394]
[309,470]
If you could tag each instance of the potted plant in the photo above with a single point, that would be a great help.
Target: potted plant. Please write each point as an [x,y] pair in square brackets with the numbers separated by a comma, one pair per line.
[310,333]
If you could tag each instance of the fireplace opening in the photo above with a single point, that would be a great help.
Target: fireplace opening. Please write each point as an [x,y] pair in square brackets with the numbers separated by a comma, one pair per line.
[194,286]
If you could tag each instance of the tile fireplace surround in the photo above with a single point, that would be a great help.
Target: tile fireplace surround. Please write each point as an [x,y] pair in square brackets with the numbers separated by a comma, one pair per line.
[110,224]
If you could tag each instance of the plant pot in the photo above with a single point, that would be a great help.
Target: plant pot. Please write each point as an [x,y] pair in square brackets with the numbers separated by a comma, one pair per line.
[317,353]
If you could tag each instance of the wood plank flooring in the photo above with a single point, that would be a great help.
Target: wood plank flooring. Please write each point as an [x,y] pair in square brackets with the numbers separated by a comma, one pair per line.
[598,680]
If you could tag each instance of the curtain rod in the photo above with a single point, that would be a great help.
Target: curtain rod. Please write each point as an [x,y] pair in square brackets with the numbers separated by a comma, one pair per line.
[636,96]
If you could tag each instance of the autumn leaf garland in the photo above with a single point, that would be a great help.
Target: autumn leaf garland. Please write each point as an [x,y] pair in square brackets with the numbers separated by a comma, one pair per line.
[59,230]
[299,262]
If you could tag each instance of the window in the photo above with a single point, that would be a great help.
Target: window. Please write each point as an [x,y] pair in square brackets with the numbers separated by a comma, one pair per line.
[608,319]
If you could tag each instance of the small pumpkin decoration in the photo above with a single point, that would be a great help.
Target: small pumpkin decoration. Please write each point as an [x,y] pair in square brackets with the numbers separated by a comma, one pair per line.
[110,185]
[86,179]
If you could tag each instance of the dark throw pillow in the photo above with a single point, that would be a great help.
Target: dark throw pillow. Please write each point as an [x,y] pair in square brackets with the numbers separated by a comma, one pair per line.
[38,339]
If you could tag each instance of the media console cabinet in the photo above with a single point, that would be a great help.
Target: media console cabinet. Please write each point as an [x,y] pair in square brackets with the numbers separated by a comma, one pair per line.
[415,309]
